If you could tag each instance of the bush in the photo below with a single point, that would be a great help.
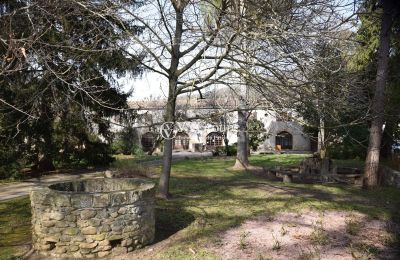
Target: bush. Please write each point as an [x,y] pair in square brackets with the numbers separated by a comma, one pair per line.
[96,154]
[137,150]
[231,150]
[126,142]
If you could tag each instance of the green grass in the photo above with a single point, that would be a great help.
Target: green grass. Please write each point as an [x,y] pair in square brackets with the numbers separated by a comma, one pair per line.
[136,158]
[353,163]
[209,199]
[212,199]
[15,227]
[277,159]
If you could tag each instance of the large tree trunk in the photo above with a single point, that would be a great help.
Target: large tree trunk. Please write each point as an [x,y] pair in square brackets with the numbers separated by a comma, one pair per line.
[378,102]
[321,139]
[168,144]
[172,95]
[242,158]
[166,169]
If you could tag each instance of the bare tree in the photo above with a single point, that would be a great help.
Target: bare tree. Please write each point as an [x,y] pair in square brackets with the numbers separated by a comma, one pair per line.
[274,52]
[176,37]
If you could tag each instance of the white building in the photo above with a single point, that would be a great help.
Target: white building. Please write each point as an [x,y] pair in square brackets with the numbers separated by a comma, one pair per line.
[202,125]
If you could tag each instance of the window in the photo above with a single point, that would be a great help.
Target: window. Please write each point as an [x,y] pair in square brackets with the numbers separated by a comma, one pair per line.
[148,141]
[215,139]
[181,141]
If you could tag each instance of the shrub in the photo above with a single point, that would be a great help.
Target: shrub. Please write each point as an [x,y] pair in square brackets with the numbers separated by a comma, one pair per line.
[137,150]
[231,150]
[126,141]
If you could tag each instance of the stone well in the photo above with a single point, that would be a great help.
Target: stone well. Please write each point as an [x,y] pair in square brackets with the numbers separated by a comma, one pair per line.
[92,218]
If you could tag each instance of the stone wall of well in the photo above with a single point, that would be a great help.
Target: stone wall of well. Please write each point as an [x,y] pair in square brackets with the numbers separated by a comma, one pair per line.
[91,224]
[391,177]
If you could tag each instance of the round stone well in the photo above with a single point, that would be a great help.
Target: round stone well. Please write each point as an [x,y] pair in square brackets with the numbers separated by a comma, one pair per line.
[92,218]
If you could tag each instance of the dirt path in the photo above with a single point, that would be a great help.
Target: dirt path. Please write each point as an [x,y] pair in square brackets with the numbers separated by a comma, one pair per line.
[309,235]
[15,190]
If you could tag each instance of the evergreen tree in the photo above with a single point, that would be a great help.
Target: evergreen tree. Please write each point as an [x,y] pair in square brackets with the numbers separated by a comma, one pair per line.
[58,89]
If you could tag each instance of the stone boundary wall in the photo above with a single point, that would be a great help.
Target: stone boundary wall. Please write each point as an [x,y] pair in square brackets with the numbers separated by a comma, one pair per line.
[92,218]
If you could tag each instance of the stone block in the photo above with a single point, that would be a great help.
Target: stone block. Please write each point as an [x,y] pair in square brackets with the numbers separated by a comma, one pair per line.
[118,198]
[88,214]
[78,238]
[54,230]
[101,200]
[128,242]
[94,222]
[99,237]
[61,201]
[48,223]
[82,200]
[122,211]
[73,248]
[55,215]
[88,245]
[41,196]
[116,227]
[65,238]
[103,253]
[119,250]
[102,214]
[44,247]
[77,255]
[61,250]
[114,237]
[51,239]
[82,223]
[89,230]
[104,228]
[61,224]
[70,218]
[71,231]
[130,228]
[104,243]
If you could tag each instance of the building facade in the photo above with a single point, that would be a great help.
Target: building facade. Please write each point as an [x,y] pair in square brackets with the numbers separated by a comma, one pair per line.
[205,128]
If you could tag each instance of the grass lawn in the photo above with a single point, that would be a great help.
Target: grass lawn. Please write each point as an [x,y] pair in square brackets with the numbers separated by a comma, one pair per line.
[15,227]
[209,199]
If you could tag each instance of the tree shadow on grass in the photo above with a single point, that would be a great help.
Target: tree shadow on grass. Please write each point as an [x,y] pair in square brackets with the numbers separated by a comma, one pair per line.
[170,220]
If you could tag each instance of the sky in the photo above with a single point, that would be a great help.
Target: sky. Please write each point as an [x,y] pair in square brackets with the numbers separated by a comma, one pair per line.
[151,85]
[148,85]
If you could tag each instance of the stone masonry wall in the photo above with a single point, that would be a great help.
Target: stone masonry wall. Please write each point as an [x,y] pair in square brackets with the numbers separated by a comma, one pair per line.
[90,224]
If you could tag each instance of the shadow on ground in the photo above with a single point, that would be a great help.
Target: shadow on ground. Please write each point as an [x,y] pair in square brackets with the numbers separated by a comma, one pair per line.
[170,220]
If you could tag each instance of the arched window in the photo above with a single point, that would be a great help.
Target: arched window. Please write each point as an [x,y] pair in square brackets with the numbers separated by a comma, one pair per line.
[215,139]
[148,140]
[181,141]
[285,140]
